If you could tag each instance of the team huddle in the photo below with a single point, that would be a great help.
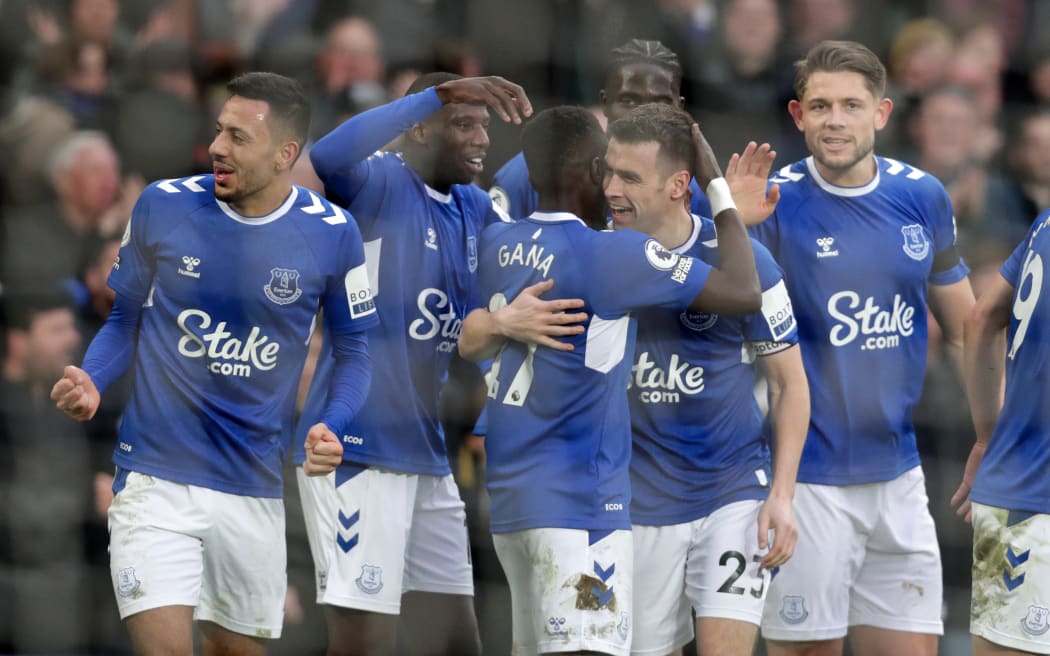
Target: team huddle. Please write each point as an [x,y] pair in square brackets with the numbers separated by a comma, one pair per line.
[626,296]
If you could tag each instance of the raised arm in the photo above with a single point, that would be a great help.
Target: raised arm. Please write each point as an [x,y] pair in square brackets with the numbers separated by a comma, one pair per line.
[732,288]
[336,154]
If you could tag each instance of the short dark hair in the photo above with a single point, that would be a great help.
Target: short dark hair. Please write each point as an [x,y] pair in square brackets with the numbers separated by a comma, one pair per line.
[841,57]
[640,51]
[287,100]
[432,79]
[668,126]
[559,138]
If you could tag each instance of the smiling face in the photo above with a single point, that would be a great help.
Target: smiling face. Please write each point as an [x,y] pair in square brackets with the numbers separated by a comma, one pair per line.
[839,116]
[638,186]
[459,142]
[246,156]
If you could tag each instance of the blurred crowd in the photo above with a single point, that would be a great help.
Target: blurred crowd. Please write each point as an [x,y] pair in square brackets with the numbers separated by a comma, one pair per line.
[99,97]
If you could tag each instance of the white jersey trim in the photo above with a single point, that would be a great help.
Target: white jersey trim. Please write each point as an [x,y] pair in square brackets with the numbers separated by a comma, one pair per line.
[260,220]
[693,236]
[437,195]
[845,192]
[606,343]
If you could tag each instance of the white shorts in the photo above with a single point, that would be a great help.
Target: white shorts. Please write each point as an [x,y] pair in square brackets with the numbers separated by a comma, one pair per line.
[172,544]
[711,564]
[567,593]
[1011,579]
[381,533]
[866,555]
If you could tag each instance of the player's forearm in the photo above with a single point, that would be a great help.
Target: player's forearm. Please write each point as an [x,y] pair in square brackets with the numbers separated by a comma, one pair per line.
[113,349]
[983,368]
[482,335]
[736,258]
[360,136]
[733,288]
[351,379]
[789,417]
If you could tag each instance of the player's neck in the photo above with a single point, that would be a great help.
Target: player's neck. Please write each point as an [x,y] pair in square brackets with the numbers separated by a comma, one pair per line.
[565,200]
[425,166]
[264,201]
[857,175]
[673,230]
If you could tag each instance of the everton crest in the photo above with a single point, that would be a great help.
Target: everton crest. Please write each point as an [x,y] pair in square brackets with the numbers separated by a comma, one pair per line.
[794,609]
[1035,622]
[127,583]
[371,579]
[698,320]
[284,286]
[916,245]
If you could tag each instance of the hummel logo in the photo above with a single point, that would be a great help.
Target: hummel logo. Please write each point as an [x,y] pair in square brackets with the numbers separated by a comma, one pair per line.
[825,244]
[189,266]
[431,241]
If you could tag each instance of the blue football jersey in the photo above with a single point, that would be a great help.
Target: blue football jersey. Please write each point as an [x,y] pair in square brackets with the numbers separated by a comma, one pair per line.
[229,303]
[697,428]
[422,255]
[857,262]
[512,191]
[1015,472]
[559,436]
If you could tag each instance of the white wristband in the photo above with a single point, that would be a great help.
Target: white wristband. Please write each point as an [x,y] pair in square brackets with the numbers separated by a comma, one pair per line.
[720,197]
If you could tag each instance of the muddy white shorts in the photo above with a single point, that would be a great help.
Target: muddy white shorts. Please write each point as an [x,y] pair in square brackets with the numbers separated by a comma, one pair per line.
[1011,578]
[570,589]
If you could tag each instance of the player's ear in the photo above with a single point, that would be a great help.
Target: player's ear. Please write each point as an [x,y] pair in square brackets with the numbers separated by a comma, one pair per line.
[419,133]
[679,184]
[795,109]
[883,108]
[286,155]
[598,171]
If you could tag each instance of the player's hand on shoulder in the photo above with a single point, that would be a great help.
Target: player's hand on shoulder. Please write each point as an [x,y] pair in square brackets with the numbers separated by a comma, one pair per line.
[324,451]
[777,514]
[75,394]
[507,99]
[748,178]
[532,320]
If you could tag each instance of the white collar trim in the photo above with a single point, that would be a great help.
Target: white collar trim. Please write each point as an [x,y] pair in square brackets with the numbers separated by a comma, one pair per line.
[846,192]
[693,236]
[437,195]
[260,220]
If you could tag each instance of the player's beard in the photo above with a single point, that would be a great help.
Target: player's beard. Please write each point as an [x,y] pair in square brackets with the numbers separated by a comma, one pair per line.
[246,185]
[862,151]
